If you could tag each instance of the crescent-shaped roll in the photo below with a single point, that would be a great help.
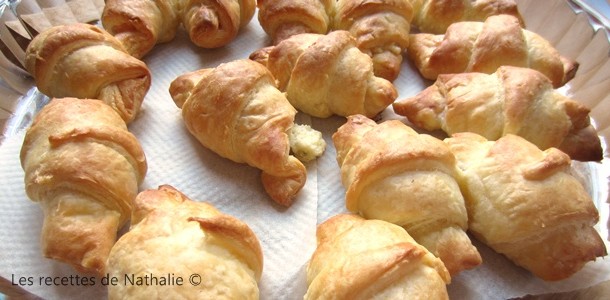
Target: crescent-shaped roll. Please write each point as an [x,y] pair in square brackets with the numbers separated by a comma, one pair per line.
[372,259]
[83,167]
[394,174]
[84,61]
[213,23]
[172,239]
[325,75]
[512,100]
[141,24]
[484,47]
[435,16]
[381,29]
[282,19]
[523,203]
[237,111]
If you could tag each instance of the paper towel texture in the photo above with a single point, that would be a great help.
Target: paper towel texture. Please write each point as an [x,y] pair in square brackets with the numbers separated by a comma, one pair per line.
[287,235]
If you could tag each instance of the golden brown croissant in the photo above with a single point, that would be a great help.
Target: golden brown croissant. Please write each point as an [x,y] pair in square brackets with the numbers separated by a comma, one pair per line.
[512,100]
[84,61]
[372,259]
[237,111]
[84,168]
[485,46]
[394,174]
[381,29]
[434,16]
[141,24]
[523,203]
[174,238]
[324,75]
[282,19]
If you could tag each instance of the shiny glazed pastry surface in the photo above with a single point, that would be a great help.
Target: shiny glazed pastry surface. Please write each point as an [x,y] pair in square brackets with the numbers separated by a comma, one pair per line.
[325,75]
[512,100]
[237,111]
[173,235]
[394,174]
[83,167]
[372,259]
[84,61]
[523,203]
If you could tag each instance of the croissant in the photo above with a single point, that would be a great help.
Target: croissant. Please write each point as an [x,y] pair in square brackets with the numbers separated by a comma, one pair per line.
[282,19]
[324,75]
[394,174]
[84,61]
[173,238]
[84,168]
[512,100]
[381,29]
[236,111]
[523,203]
[141,24]
[372,259]
[434,16]
[485,46]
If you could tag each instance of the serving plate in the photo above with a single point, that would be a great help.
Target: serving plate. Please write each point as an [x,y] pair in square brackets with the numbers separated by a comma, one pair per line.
[288,235]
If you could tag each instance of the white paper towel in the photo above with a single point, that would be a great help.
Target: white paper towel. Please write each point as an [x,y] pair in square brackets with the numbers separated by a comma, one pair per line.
[287,235]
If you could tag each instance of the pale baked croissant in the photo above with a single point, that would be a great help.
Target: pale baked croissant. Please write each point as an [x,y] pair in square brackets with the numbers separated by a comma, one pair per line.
[141,24]
[392,173]
[237,111]
[282,19]
[84,168]
[84,61]
[324,75]
[523,203]
[434,16]
[381,29]
[512,100]
[485,46]
[372,259]
[172,236]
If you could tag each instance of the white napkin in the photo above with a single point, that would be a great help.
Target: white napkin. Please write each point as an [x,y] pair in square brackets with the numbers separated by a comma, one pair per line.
[287,235]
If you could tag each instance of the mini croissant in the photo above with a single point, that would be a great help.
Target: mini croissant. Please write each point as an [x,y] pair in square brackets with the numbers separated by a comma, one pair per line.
[84,61]
[523,203]
[84,168]
[172,236]
[282,19]
[484,47]
[434,16]
[237,111]
[512,100]
[324,75]
[394,174]
[381,29]
[141,24]
[372,259]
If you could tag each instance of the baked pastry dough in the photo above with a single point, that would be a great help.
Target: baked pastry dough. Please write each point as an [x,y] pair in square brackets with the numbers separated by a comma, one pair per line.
[174,237]
[237,111]
[84,168]
[523,203]
[434,16]
[282,19]
[372,259]
[141,24]
[324,75]
[84,61]
[394,174]
[381,29]
[485,46]
[512,100]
